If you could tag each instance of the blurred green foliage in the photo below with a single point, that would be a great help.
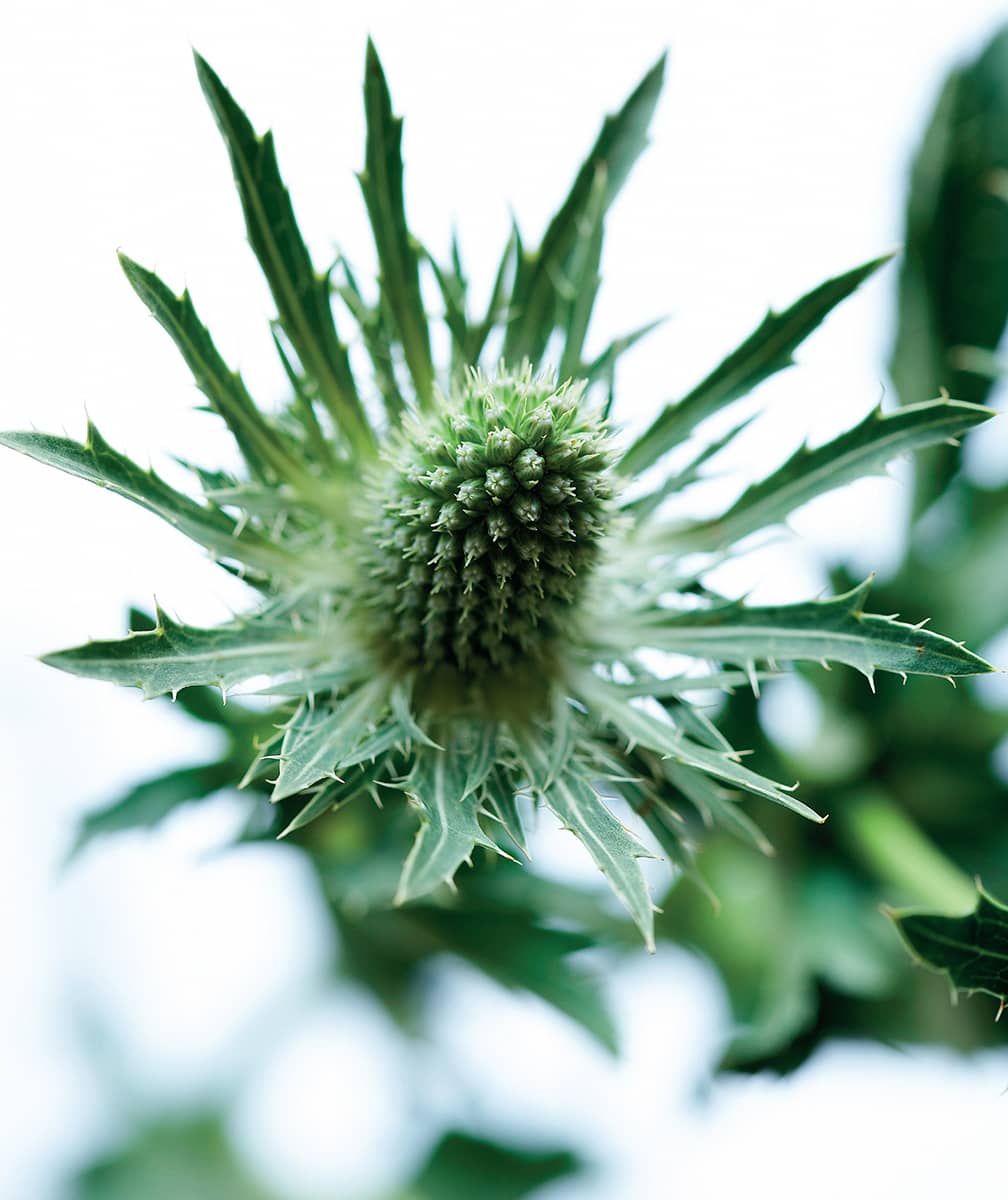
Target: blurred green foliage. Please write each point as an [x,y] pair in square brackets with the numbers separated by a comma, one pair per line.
[194,1158]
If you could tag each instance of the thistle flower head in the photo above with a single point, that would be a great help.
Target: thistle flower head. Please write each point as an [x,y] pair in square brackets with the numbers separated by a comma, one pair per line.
[492,507]
[467,596]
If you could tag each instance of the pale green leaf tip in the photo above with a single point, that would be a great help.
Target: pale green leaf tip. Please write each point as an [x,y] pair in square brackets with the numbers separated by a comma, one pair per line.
[13,439]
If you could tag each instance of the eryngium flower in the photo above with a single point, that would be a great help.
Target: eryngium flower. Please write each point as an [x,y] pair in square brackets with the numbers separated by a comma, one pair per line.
[493,507]
[466,589]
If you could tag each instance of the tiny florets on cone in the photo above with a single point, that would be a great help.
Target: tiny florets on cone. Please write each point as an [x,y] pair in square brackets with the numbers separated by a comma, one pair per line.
[492,508]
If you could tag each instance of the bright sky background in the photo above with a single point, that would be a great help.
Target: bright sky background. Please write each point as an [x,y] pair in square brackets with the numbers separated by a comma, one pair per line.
[778,159]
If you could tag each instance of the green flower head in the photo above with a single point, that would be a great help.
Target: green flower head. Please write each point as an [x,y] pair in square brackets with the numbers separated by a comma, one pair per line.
[463,583]
[493,506]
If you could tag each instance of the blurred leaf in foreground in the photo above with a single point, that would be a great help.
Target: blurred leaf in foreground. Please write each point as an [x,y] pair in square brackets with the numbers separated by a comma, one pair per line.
[462,1167]
[170,1161]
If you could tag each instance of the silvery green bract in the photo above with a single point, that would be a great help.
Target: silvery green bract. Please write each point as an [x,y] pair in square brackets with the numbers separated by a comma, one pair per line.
[465,579]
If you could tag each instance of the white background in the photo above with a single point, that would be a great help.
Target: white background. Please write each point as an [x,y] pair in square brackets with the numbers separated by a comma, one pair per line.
[778,158]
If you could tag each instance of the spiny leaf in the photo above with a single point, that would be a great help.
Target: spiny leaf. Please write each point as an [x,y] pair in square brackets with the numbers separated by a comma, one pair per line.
[563,734]
[640,728]
[500,801]
[374,323]
[401,702]
[644,506]
[175,656]
[863,450]
[616,852]
[301,295]
[581,810]
[716,805]
[497,304]
[767,350]
[382,185]
[652,804]
[835,630]
[336,794]
[206,704]
[98,463]
[680,685]
[535,296]
[320,737]
[303,408]
[453,292]
[602,367]
[386,737]
[327,676]
[262,447]
[449,825]
[971,950]
[480,753]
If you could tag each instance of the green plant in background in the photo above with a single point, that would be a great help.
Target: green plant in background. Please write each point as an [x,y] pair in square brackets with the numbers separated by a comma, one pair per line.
[465,590]
[193,1157]
[909,775]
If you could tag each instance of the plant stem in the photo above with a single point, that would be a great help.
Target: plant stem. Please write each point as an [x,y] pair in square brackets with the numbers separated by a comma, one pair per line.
[886,841]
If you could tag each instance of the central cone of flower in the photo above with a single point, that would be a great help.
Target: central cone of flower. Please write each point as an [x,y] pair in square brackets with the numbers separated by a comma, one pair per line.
[492,509]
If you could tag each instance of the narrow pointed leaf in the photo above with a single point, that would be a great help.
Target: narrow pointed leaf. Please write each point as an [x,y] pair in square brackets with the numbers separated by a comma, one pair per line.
[971,950]
[501,802]
[261,446]
[336,794]
[96,461]
[615,850]
[319,738]
[175,656]
[453,294]
[681,685]
[481,754]
[303,408]
[388,737]
[640,728]
[398,262]
[582,810]
[300,293]
[863,450]
[564,734]
[644,506]
[498,302]
[400,700]
[373,322]
[535,296]
[449,826]
[717,805]
[766,351]
[602,368]
[577,297]
[835,630]
[651,804]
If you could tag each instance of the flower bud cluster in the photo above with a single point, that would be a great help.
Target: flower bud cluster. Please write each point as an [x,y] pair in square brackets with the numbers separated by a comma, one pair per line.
[491,515]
